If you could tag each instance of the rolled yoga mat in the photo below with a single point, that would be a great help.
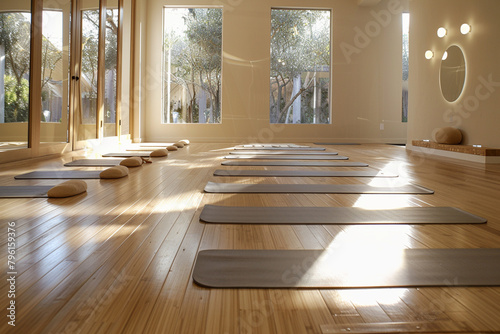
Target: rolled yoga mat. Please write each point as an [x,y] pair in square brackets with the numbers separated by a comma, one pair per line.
[335,215]
[287,157]
[262,152]
[93,163]
[301,173]
[213,187]
[293,163]
[24,191]
[345,268]
[61,174]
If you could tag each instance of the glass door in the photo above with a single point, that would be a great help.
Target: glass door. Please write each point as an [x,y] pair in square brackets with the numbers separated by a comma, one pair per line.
[86,115]
[97,110]
[56,24]
[15,35]
[111,69]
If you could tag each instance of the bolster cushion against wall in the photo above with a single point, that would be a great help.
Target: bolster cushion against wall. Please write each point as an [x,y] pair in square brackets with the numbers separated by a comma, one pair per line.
[132,162]
[67,189]
[115,172]
[448,135]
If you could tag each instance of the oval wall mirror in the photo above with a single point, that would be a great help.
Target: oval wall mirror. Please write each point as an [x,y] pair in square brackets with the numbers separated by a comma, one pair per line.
[452,75]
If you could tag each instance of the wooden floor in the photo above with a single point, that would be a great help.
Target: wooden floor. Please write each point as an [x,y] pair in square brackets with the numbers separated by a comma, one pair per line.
[119,258]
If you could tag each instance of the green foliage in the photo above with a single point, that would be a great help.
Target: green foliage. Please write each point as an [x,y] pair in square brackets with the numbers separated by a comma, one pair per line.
[16,100]
[15,38]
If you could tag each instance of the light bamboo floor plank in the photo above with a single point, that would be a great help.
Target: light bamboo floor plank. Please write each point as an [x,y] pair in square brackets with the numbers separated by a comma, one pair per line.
[119,260]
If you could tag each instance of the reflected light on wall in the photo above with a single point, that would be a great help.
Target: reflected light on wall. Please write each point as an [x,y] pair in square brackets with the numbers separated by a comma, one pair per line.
[465,29]
[441,32]
[429,54]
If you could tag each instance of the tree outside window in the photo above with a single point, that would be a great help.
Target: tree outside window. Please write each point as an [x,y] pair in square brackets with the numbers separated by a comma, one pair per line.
[192,65]
[300,66]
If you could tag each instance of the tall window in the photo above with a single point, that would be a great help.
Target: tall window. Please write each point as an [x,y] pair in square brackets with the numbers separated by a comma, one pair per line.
[406,67]
[111,56]
[300,66]
[53,74]
[192,48]
[90,46]
[14,66]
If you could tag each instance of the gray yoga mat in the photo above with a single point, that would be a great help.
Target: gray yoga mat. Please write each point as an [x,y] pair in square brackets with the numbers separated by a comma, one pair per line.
[128,154]
[294,163]
[262,188]
[277,145]
[287,157]
[345,268]
[61,174]
[335,215]
[300,148]
[264,152]
[336,144]
[93,163]
[24,191]
[300,173]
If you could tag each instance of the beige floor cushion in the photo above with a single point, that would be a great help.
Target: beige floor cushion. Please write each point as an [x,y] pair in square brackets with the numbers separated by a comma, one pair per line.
[184,141]
[159,153]
[179,145]
[68,189]
[132,162]
[448,135]
[172,148]
[115,172]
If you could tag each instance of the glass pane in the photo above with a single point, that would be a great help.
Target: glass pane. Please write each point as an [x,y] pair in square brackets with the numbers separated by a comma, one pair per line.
[300,66]
[15,35]
[88,78]
[192,65]
[406,67]
[111,70]
[55,72]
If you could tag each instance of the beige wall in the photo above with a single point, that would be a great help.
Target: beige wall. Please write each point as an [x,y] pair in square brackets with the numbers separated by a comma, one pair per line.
[366,75]
[477,110]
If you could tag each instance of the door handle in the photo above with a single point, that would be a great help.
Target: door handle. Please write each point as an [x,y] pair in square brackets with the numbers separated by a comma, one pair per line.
[75,77]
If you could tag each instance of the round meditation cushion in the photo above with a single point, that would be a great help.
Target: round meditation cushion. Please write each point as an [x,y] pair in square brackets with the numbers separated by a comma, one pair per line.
[159,153]
[172,148]
[131,162]
[67,189]
[114,172]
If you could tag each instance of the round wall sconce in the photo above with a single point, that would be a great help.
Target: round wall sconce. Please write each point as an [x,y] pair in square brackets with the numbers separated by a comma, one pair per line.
[445,55]
[441,32]
[429,54]
[465,29]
